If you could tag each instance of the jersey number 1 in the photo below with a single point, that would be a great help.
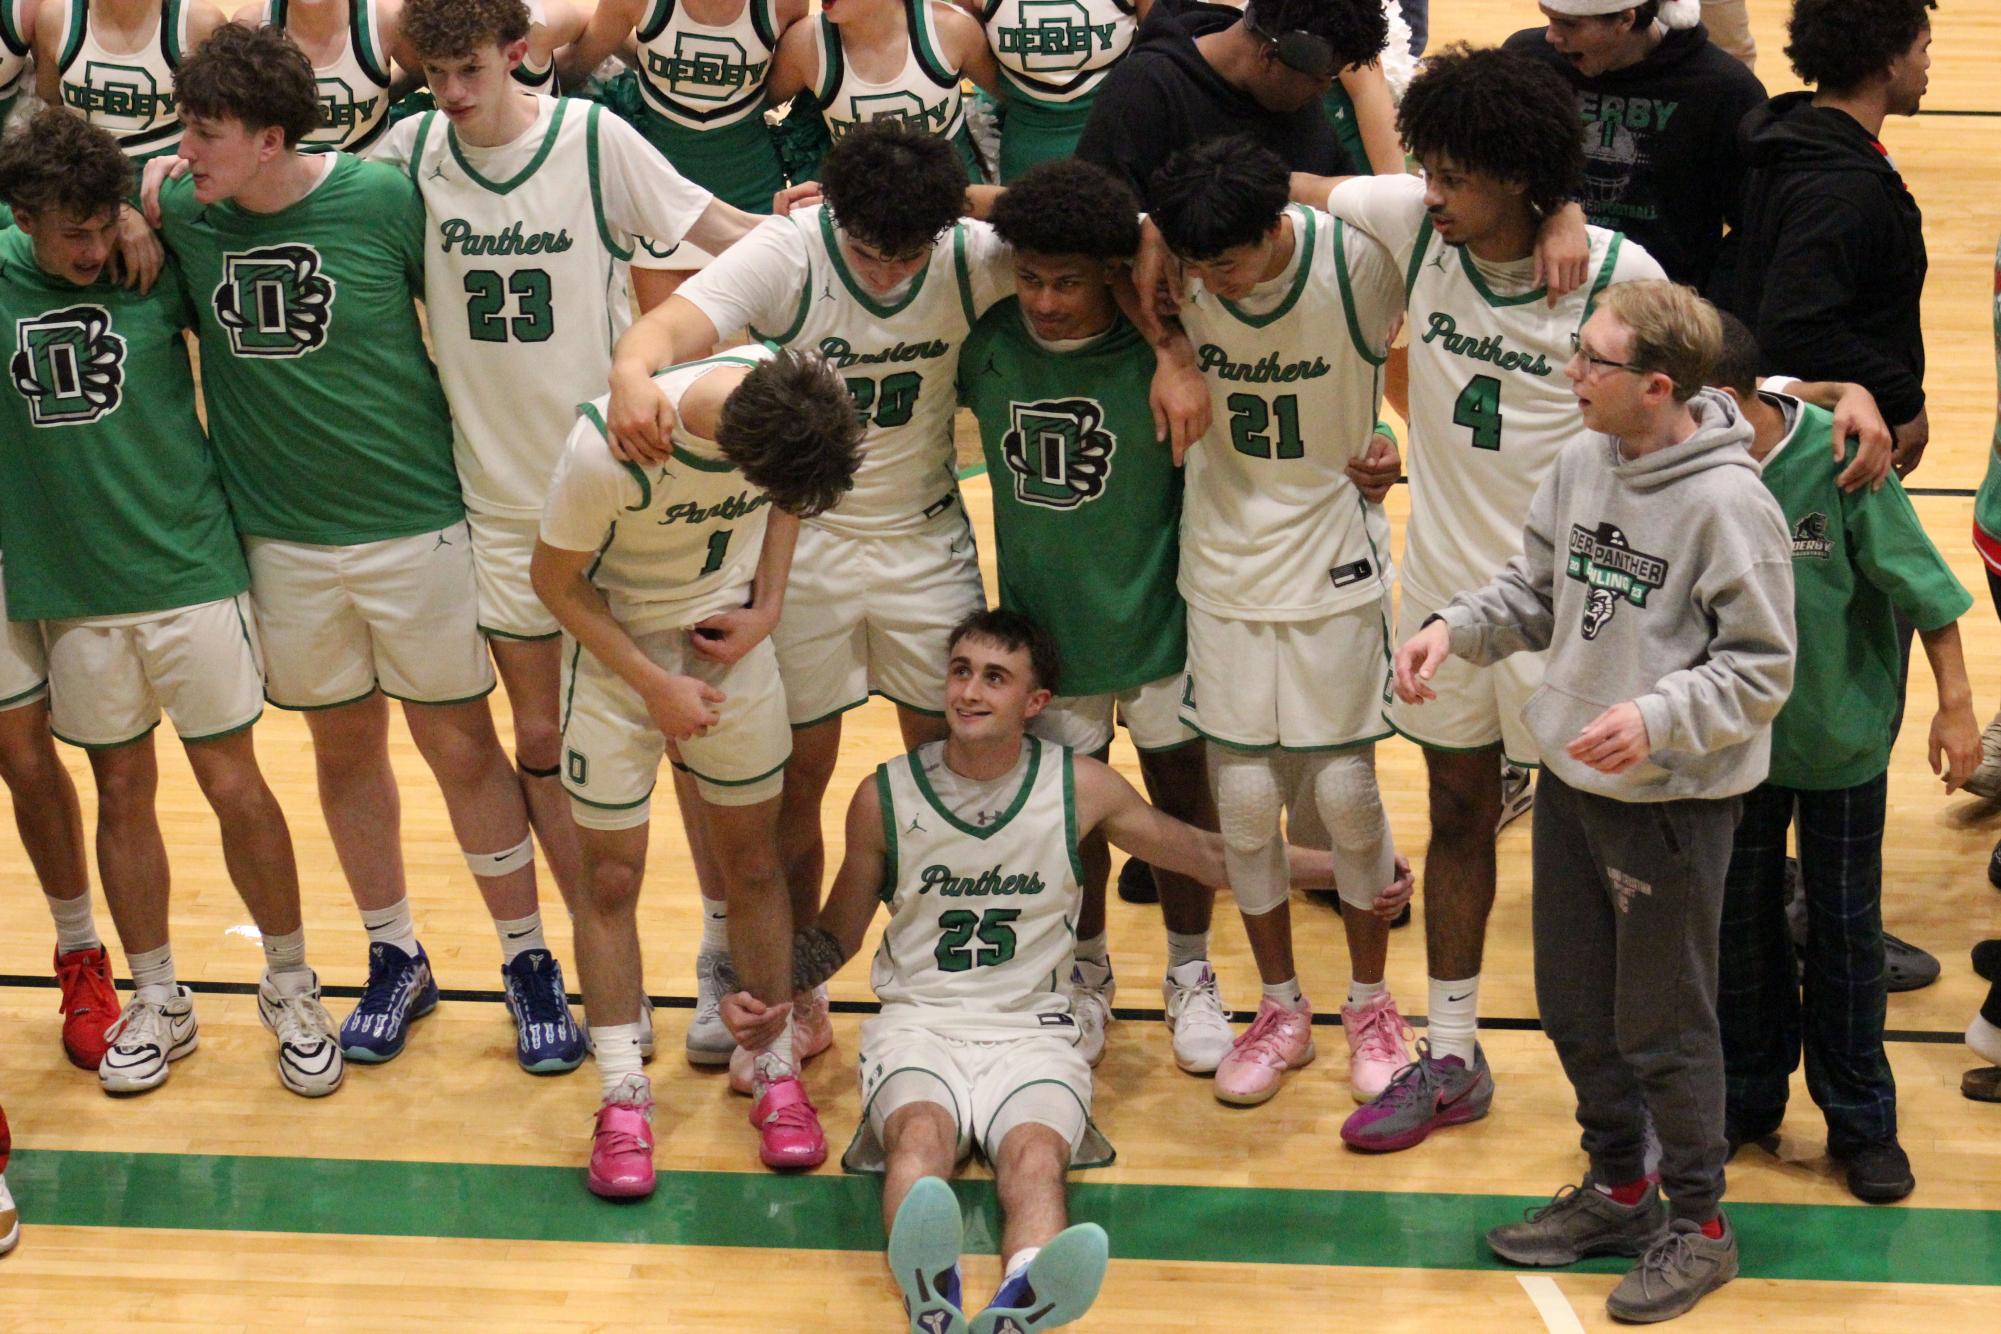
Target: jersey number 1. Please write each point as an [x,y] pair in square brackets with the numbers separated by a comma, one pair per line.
[960,926]
[486,298]
[1478,409]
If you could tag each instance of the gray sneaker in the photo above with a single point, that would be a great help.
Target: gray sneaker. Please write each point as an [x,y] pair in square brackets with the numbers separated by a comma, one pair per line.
[1581,1221]
[709,1043]
[1517,794]
[1424,1096]
[1677,1271]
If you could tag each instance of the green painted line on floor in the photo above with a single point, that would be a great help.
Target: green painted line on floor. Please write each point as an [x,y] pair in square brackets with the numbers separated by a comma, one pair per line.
[834,1212]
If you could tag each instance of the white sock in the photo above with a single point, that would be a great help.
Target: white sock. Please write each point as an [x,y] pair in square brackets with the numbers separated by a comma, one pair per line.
[617,1049]
[391,926]
[1286,993]
[153,973]
[75,928]
[1985,1039]
[715,926]
[1454,1018]
[776,1061]
[1186,949]
[518,935]
[1361,993]
[1019,1261]
[1092,949]
[285,961]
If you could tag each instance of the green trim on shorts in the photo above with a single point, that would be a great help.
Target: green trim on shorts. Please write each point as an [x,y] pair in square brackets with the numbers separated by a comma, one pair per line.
[442,703]
[492,633]
[320,708]
[105,745]
[829,717]
[732,782]
[1069,820]
[1196,740]
[1266,748]
[862,1123]
[226,732]
[27,696]
[873,694]
[988,1149]
[609,805]
[1500,746]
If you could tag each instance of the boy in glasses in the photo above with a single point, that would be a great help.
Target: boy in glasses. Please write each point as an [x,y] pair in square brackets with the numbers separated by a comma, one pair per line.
[1657,573]
[1206,73]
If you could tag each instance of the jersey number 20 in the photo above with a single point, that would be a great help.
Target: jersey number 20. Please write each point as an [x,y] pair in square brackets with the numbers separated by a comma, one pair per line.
[956,954]
[486,299]
[892,404]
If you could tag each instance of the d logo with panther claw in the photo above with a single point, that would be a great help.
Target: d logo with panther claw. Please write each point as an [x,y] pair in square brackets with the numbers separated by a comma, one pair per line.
[69,365]
[275,301]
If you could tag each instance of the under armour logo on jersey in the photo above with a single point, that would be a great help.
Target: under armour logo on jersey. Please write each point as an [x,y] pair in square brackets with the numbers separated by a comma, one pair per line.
[275,301]
[69,365]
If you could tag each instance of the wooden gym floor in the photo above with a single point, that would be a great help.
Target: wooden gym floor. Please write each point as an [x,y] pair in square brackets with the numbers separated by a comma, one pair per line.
[446,1189]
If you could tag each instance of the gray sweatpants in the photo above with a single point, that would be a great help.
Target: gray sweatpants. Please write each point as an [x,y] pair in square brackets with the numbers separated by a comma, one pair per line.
[1627,906]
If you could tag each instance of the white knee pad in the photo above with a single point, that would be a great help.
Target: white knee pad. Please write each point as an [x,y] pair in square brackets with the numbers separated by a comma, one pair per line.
[1342,785]
[1248,803]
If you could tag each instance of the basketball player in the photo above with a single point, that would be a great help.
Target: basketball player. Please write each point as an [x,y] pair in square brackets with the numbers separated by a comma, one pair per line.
[112,62]
[1086,510]
[700,75]
[1284,566]
[885,280]
[1490,411]
[865,60]
[976,1045]
[552,26]
[355,47]
[361,569]
[669,579]
[118,538]
[16,45]
[10,1217]
[1051,60]
[531,205]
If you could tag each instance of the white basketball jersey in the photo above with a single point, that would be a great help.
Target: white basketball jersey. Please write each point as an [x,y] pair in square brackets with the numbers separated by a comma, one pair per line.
[1271,527]
[704,75]
[1058,50]
[128,95]
[982,920]
[524,286]
[14,52]
[1490,409]
[924,92]
[354,86]
[686,542]
[900,361]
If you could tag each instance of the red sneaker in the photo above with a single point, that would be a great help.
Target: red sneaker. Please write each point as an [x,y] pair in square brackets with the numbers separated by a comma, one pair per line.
[89,1005]
[788,1126]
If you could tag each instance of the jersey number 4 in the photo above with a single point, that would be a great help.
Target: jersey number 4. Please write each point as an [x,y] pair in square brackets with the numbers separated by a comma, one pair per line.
[956,953]
[1478,409]
[486,300]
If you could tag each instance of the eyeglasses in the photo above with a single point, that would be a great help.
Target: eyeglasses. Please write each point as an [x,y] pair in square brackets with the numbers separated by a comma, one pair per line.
[1601,364]
[1298,50]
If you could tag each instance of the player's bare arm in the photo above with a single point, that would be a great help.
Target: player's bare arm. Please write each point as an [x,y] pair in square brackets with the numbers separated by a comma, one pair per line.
[1856,417]
[1376,116]
[966,49]
[1955,734]
[791,65]
[680,706]
[639,421]
[721,226]
[602,36]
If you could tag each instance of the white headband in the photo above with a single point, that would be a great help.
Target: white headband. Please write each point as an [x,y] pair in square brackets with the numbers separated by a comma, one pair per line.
[1674,13]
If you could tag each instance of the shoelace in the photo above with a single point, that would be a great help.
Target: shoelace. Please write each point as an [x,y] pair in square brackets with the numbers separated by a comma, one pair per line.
[73,972]
[543,1000]
[798,1115]
[1202,1002]
[383,984]
[302,1019]
[1380,1038]
[1409,1084]
[708,988]
[1261,1039]
[1565,1199]
[1672,1254]
[140,1020]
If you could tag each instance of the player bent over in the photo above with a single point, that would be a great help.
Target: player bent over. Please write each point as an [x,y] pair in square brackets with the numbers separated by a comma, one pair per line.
[668,579]
[333,440]
[118,538]
[1285,566]
[973,842]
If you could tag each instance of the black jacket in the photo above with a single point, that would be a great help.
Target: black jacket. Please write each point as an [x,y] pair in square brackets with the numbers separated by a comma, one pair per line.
[1164,96]
[1660,145]
[1832,264]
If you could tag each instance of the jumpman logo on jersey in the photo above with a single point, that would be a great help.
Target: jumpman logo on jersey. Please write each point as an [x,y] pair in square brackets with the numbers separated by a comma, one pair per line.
[827,289]
[443,541]
[437,172]
[1437,262]
[915,827]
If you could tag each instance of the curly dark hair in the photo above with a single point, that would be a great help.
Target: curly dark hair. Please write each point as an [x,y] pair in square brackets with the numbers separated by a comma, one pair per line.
[1012,631]
[893,187]
[1218,195]
[1356,29]
[1499,114]
[258,76]
[1069,207]
[1838,44]
[60,161]
[450,29]
[792,430]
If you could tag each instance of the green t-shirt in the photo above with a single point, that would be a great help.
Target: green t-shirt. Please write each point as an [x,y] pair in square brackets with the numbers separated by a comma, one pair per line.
[1087,504]
[1340,109]
[1856,556]
[326,411]
[109,499]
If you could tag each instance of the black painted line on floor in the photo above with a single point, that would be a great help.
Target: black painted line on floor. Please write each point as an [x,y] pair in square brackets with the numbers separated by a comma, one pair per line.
[1960,492]
[1129,1013]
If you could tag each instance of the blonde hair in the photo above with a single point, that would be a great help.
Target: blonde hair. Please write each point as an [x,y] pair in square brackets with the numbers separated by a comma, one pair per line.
[1675,332]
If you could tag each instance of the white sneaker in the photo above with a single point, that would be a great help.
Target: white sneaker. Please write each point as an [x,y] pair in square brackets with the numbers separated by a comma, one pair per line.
[1202,1032]
[309,1056]
[1092,987]
[10,1219]
[146,1038]
[709,1043]
[1517,795]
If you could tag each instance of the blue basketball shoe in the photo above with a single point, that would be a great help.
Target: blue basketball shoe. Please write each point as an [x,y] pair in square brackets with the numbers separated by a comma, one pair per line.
[400,991]
[547,1040]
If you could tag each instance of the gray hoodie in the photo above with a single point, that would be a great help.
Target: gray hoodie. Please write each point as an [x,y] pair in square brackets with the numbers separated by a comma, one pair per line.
[1666,580]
